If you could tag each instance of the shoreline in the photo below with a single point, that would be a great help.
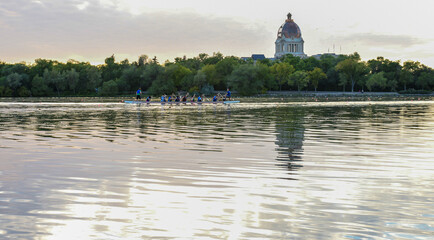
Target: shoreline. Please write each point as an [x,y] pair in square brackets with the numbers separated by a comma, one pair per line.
[283,96]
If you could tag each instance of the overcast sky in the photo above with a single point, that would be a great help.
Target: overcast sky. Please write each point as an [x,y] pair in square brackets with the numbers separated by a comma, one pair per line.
[91,30]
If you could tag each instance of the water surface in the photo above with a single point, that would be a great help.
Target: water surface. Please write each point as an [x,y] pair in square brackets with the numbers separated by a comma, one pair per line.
[329,170]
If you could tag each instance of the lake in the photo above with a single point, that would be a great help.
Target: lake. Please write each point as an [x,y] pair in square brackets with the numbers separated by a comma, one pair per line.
[301,170]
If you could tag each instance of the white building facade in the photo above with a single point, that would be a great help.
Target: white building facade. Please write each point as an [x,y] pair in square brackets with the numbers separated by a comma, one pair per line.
[289,40]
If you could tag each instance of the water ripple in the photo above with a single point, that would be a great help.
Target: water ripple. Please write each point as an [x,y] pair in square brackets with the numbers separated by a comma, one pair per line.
[329,170]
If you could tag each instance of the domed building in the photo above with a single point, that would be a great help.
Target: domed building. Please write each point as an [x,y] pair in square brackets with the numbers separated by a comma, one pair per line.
[289,40]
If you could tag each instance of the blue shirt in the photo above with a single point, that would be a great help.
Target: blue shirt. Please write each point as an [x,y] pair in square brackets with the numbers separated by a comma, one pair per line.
[139,92]
[228,93]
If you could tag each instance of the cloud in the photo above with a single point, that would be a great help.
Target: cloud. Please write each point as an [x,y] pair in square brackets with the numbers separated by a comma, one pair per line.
[380,40]
[58,29]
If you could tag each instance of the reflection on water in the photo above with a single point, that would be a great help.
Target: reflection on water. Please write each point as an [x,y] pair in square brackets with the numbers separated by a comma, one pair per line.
[295,171]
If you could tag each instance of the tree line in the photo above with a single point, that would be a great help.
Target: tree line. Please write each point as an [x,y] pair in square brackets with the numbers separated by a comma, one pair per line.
[206,74]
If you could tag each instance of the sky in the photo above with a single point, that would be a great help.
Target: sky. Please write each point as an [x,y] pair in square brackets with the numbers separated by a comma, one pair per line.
[92,30]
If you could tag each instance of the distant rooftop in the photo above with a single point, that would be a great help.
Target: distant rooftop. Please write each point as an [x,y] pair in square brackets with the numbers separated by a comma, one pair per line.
[255,57]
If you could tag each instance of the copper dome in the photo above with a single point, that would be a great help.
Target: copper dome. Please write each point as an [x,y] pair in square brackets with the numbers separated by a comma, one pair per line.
[289,29]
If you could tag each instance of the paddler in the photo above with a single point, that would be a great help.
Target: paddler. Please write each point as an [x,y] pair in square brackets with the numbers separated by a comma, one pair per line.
[228,94]
[184,98]
[163,98]
[138,94]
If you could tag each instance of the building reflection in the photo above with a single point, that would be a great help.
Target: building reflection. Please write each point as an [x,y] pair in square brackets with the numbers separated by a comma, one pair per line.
[289,139]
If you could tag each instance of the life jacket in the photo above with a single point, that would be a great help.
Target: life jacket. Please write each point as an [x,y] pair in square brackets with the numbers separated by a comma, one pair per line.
[163,99]
[199,99]
[214,99]
[138,92]
[170,98]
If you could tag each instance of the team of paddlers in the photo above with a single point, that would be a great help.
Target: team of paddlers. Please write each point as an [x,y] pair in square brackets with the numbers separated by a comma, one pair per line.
[185,98]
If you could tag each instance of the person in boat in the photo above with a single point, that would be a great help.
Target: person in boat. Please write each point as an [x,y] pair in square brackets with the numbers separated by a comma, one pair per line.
[228,94]
[148,99]
[138,94]
[199,99]
[184,98]
[163,98]
[169,99]
[177,99]
[215,98]
[222,97]
[192,98]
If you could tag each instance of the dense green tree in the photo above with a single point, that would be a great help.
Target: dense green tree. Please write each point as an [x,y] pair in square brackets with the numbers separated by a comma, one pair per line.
[109,88]
[292,60]
[72,77]
[40,65]
[246,79]
[14,81]
[177,72]
[343,81]
[315,76]
[352,69]
[40,87]
[390,69]
[300,79]
[143,59]
[56,79]
[327,64]
[376,80]
[150,74]
[162,85]
[211,74]
[308,64]
[205,73]
[224,69]
[214,59]
[199,80]
[24,92]
[110,70]
[281,72]
[410,70]
[405,77]
[92,78]
[132,76]
[426,80]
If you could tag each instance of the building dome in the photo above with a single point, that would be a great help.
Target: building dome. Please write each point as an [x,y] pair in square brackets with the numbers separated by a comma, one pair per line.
[289,40]
[289,29]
